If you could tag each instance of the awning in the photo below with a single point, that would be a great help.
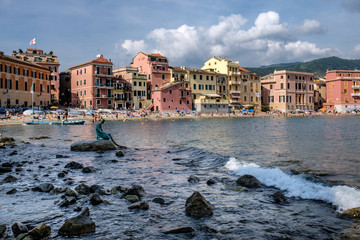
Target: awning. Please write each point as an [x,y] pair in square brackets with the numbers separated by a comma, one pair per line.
[235,94]
[211,95]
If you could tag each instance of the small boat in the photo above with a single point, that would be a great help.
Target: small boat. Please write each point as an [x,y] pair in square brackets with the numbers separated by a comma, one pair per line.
[73,122]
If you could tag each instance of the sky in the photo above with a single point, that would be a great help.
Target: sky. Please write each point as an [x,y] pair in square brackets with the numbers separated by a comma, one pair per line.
[187,32]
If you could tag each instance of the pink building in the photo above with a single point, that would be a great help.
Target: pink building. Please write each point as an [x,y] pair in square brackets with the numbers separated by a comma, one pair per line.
[172,97]
[156,68]
[92,84]
[342,90]
[288,91]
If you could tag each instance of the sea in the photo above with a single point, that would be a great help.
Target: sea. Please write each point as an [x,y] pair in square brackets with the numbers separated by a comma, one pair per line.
[314,161]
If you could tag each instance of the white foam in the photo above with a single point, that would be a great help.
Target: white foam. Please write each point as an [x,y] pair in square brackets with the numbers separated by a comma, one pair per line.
[343,197]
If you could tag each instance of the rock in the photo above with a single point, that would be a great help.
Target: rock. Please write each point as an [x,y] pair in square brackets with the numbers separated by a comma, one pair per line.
[117,189]
[41,166]
[102,145]
[88,170]
[98,189]
[61,174]
[9,179]
[12,191]
[132,198]
[353,213]
[78,209]
[119,154]
[198,207]
[208,229]
[5,169]
[279,197]
[58,190]
[142,206]
[193,179]
[7,164]
[41,231]
[39,138]
[18,169]
[83,189]
[180,230]
[2,230]
[44,187]
[13,153]
[61,156]
[135,190]
[210,181]
[95,199]
[71,193]
[159,200]
[18,228]
[74,165]
[78,225]
[67,202]
[248,181]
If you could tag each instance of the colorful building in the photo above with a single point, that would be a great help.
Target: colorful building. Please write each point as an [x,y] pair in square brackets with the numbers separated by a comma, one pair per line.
[342,90]
[138,84]
[49,61]
[286,91]
[172,97]
[319,93]
[65,88]
[123,95]
[23,83]
[250,89]
[92,84]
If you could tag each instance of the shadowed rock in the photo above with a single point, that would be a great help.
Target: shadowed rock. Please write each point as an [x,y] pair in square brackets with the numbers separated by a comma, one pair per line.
[44,187]
[2,230]
[180,230]
[132,198]
[12,191]
[83,189]
[248,181]
[9,179]
[88,170]
[141,206]
[41,231]
[119,154]
[102,145]
[78,225]
[193,179]
[198,207]
[135,190]
[18,228]
[353,213]
[279,197]
[74,165]
[95,199]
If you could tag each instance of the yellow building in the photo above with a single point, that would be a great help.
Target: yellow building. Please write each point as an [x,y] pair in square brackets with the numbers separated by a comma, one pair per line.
[250,89]
[18,79]
[140,92]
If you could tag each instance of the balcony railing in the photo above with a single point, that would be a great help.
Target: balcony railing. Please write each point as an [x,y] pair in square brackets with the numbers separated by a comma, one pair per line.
[234,101]
[234,82]
[355,94]
[235,73]
[105,85]
[104,95]
[234,91]
[355,86]
[123,99]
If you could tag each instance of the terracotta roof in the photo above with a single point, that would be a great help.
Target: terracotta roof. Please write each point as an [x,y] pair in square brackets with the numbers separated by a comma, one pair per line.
[243,69]
[19,61]
[101,60]
[153,55]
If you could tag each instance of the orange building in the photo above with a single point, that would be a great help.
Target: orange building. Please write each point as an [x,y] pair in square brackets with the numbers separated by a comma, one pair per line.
[92,84]
[16,79]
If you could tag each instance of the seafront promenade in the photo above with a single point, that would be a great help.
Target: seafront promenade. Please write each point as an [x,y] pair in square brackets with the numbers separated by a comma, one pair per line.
[20,120]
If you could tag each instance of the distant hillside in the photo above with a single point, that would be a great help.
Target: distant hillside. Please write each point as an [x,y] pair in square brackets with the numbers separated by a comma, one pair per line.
[318,66]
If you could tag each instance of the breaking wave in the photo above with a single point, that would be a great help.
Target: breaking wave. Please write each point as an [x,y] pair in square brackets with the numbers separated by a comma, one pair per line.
[343,197]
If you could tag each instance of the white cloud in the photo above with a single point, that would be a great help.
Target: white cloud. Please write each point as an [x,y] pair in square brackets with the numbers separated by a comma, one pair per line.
[312,27]
[357,48]
[267,41]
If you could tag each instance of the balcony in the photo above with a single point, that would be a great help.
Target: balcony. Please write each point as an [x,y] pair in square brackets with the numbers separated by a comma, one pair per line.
[123,99]
[234,91]
[355,87]
[234,82]
[142,98]
[104,96]
[234,101]
[104,85]
[235,73]
[355,94]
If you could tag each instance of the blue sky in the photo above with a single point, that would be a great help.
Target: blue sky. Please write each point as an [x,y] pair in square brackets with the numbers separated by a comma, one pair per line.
[187,32]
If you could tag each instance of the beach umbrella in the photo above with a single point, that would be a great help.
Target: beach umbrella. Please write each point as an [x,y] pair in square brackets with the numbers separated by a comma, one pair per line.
[251,110]
[53,107]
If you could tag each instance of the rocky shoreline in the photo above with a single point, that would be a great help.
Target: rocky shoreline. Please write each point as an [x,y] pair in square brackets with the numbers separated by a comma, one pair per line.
[83,197]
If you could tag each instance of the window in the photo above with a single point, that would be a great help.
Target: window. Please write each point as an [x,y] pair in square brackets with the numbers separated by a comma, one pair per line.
[84,92]
[80,71]
[194,86]
[245,89]
[16,85]
[251,98]
[271,87]
[77,72]
[109,102]
[77,83]
[109,71]
[163,76]
[245,98]
[84,81]
[194,76]
[84,71]
[98,101]
[135,83]
[170,91]
[26,86]
[200,77]
[180,102]
[207,77]
[149,76]
[164,99]
[281,85]
[41,87]
[80,93]
[139,84]
[212,78]
[288,85]
[80,82]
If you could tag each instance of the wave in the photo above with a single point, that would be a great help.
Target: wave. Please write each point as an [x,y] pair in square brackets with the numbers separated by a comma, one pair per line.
[343,197]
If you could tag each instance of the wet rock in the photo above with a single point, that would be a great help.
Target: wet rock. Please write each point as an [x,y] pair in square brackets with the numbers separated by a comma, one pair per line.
[141,206]
[210,181]
[71,193]
[44,187]
[248,181]
[98,189]
[74,165]
[62,174]
[18,228]
[198,207]
[102,145]
[135,190]
[78,225]
[83,189]
[12,191]
[208,229]
[132,198]
[7,164]
[78,209]
[5,169]
[95,199]
[181,230]
[117,189]
[13,153]
[58,190]
[353,213]
[159,200]
[39,138]
[193,179]
[67,202]
[88,170]
[279,197]
[61,156]
[41,231]
[2,230]
[119,154]
[10,179]
[18,169]
[41,166]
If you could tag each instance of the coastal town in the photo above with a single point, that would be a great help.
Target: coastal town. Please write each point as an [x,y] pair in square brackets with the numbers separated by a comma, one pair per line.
[32,79]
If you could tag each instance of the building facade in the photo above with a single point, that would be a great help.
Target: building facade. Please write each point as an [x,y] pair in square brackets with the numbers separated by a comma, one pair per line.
[286,91]
[250,89]
[92,84]
[172,97]
[23,83]
[49,61]
[123,95]
[319,93]
[138,84]
[65,88]
[342,90]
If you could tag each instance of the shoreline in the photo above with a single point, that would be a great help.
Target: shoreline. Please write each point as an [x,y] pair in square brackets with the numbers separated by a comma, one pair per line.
[14,120]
